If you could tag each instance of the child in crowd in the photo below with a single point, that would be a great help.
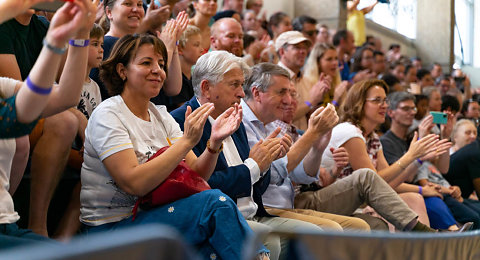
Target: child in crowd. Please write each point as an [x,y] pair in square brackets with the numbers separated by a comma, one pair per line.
[90,96]
[189,50]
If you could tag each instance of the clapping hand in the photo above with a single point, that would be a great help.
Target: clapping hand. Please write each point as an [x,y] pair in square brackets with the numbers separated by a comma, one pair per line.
[285,142]
[155,17]
[194,123]
[322,120]
[226,124]
[12,8]
[421,147]
[72,19]
[320,88]
[441,147]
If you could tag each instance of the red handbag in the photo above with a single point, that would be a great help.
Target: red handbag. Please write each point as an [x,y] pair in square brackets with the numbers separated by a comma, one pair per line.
[181,183]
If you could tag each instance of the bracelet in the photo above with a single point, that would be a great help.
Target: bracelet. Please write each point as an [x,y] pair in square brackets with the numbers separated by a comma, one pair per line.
[54,49]
[79,43]
[335,103]
[213,151]
[419,161]
[308,104]
[400,165]
[420,190]
[36,89]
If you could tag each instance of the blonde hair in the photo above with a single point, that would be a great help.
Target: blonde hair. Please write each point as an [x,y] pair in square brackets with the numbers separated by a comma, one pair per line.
[190,31]
[313,69]
[460,123]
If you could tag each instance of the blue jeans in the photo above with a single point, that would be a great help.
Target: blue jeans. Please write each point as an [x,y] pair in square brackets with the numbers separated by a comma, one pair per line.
[209,220]
[11,236]
[468,211]
[439,214]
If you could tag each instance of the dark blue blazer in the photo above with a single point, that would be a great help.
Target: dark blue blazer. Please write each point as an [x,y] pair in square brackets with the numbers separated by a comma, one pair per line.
[234,181]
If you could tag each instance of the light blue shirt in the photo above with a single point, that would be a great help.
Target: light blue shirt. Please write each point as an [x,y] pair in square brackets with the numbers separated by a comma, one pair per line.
[280,192]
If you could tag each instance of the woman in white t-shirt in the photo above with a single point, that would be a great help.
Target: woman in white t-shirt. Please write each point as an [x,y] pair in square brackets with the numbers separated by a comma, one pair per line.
[126,129]
[362,111]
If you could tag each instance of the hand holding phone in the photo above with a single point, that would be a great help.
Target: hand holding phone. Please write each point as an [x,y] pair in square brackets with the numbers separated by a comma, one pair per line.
[439,117]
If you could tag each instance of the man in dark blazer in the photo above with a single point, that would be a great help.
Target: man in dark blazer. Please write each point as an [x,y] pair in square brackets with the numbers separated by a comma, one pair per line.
[241,173]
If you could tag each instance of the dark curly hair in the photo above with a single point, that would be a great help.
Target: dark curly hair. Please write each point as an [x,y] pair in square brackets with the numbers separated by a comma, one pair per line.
[123,52]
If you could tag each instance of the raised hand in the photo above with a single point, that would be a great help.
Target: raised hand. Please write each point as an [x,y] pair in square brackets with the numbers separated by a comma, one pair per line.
[169,34]
[12,8]
[100,12]
[320,89]
[194,122]
[425,127]
[226,124]
[265,152]
[340,90]
[182,23]
[322,120]
[285,142]
[155,17]
[447,129]
[422,147]
[71,20]
[441,147]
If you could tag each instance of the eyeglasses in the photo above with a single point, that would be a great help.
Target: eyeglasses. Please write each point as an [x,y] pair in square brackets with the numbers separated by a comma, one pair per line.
[284,92]
[378,101]
[311,33]
[408,109]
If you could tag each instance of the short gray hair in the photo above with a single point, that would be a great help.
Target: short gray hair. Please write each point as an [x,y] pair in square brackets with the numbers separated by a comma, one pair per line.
[261,77]
[397,97]
[213,65]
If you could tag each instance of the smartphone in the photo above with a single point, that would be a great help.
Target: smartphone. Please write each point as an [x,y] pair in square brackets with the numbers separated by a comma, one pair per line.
[439,118]
[50,6]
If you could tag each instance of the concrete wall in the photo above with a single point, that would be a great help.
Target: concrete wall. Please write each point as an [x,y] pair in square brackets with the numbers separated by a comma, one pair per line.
[333,13]
[388,36]
[435,21]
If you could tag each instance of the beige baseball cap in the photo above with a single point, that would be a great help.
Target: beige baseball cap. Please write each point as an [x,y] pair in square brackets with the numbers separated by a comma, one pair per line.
[290,37]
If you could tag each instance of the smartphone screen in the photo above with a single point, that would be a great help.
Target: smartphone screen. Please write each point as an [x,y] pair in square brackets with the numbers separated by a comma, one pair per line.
[439,118]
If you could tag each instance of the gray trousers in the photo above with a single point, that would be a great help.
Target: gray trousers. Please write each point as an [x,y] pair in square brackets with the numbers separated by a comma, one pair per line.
[363,186]
[276,244]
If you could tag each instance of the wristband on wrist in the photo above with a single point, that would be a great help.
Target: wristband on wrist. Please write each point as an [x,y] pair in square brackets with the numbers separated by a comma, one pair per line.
[419,161]
[79,42]
[36,89]
[420,190]
[335,103]
[54,49]
[212,150]
[308,104]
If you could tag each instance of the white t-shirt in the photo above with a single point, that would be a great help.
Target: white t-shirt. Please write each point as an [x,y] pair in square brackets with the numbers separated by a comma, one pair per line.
[7,151]
[341,133]
[113,128]
[89,98]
